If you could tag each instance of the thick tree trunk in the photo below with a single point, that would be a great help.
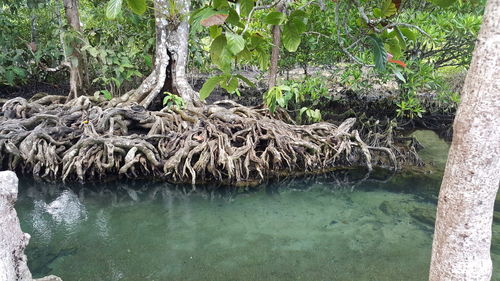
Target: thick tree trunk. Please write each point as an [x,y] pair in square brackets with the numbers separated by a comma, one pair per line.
[169,73]
[275,51]
[78,79]
[461,247]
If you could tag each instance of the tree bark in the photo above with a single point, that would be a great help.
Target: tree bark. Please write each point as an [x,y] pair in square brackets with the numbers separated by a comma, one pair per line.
[275,51]
[462,239]
[169,73]
[78,79]
[13,241]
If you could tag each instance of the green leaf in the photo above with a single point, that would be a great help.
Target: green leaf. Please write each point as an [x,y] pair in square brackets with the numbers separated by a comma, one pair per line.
[113,8]
[379,53]
[148,60]
[274,18]
[217,46]
[410,35]
[231,84]
[220,54]
[93,52]
[218,4]
[401,38]
[137,6]
[107,95]
[394,47]
[10,76]
[245,7]
[399,75]
[298,25]
[291,38]
[388,9]
[443,3]
[19,72]
[209,86]
[215,31]
[377,12]
[246,80]
[234,18]
[235,42]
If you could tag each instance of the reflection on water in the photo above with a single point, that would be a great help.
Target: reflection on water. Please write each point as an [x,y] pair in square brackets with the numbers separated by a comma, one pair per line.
[330,227]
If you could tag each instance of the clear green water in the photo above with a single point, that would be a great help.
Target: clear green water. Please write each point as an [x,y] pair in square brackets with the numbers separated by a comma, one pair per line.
[305,229]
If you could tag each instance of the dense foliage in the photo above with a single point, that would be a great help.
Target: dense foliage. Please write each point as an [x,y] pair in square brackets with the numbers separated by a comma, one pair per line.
[421,46]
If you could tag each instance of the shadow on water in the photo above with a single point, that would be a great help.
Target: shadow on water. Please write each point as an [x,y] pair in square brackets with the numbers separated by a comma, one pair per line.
[344,225]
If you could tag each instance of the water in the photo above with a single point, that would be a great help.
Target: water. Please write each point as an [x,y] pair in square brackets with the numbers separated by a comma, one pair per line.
[327,228]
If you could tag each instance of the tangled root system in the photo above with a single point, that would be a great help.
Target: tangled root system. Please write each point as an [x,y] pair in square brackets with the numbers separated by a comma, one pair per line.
[85,139]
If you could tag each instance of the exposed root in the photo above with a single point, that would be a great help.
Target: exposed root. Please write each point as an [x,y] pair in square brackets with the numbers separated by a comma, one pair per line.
[224,142]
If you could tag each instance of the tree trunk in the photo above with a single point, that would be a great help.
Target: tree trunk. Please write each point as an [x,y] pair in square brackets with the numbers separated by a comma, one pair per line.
[275,51]
[33,27]
[78,79]
[169,73]
[462,239]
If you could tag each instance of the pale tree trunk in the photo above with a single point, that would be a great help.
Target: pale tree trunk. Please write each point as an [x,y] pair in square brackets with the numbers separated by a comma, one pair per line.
[169,73]
[78,79]
[462,239]
[275,51]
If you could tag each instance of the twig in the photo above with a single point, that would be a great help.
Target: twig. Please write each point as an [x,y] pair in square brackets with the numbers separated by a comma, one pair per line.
[341,43]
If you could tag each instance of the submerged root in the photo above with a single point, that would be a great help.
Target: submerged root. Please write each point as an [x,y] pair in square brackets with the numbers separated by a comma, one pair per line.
[224,142]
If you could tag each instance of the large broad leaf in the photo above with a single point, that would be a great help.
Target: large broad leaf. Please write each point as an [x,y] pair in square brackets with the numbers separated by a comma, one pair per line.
[215,31]
[113,8]
[379,53]
[230,85]
[394,47]
[290,37]
[410,35]
[216,19]
[443,3]
[218,4]
[209,86]
[220,54]
[137,6]
[245,7]
[217,46]
[298,20]
[234,18]
[235,42]
[274,18]
[199,15]
[388,9]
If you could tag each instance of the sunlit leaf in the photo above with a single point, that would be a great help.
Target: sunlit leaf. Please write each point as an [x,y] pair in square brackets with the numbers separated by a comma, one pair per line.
[137,6]
[235,42]
[245,7]
[215,31]
[410,35]
[388,9]
[113,8]
[291,38]
[209,86]
[443,3]
[218,4]
[274,18]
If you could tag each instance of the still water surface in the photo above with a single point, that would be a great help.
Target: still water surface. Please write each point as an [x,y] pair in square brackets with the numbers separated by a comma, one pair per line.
[326,228]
